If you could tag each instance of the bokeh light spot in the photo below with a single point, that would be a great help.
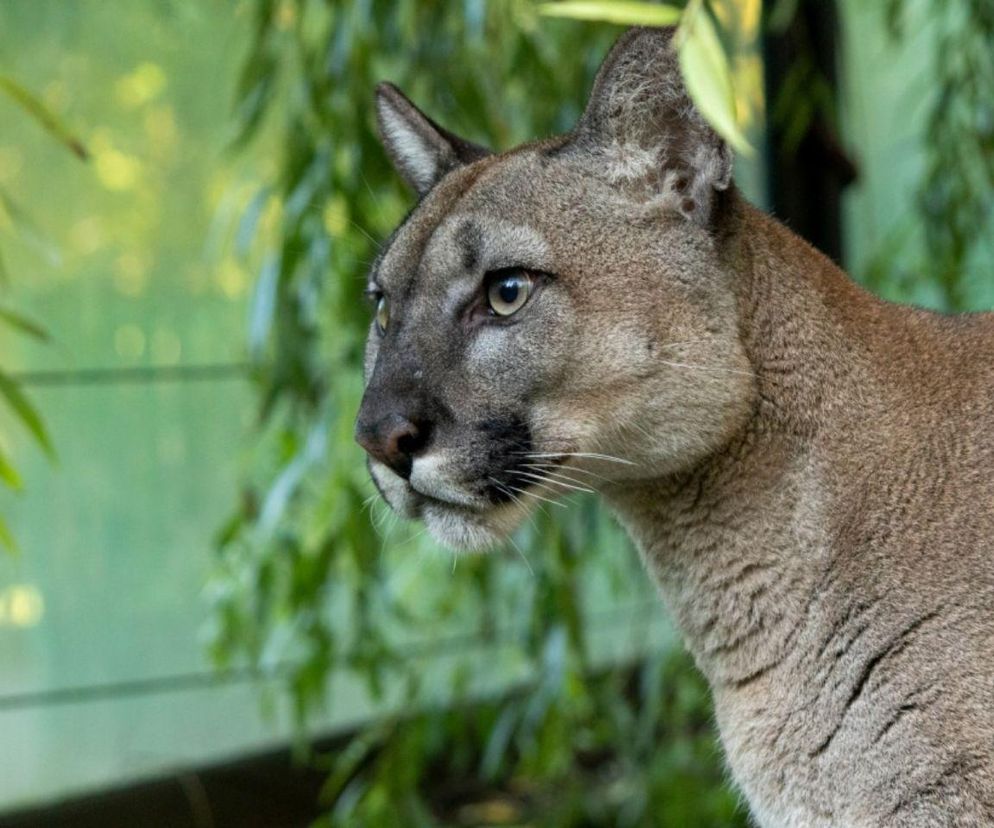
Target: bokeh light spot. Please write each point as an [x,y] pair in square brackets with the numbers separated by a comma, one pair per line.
[21,605]
[142,85]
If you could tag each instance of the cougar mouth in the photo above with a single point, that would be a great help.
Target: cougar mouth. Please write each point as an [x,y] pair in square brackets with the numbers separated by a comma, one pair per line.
[435,491]
[468,529]
[505,499]
[471,518]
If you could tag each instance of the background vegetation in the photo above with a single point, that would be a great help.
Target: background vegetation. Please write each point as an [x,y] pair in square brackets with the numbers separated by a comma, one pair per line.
[15,219]
[955,194]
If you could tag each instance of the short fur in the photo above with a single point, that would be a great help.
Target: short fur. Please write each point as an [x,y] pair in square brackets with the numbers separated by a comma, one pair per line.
[807,470]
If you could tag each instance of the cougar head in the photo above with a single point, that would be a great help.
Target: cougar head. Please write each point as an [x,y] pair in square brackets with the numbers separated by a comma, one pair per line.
[556,316]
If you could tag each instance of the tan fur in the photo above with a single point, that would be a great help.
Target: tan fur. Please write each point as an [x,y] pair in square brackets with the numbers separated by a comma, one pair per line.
[807,470]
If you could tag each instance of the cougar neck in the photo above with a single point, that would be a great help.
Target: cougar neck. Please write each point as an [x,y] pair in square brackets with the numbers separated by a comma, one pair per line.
[737,543]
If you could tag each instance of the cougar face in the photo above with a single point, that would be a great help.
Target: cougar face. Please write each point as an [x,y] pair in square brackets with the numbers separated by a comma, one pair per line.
[540,312]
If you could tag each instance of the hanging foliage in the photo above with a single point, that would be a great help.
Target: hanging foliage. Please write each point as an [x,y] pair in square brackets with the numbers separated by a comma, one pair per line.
[955,197]
[15,218]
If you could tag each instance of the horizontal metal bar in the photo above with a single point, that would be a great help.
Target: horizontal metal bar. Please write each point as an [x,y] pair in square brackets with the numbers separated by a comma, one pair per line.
[182,682]
[135,375]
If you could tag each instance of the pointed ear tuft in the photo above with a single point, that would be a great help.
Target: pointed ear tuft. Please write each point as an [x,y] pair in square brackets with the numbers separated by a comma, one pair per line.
[421,150]
[645,133]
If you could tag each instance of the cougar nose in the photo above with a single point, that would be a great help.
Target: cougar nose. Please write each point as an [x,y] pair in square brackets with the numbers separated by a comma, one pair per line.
[393,440]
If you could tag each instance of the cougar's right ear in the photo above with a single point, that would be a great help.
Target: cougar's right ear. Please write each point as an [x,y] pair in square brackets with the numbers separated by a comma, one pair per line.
[644,133]
[421,151]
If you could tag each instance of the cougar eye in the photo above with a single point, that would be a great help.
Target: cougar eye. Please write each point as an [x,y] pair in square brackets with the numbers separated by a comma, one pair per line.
[508,291]
[382,314]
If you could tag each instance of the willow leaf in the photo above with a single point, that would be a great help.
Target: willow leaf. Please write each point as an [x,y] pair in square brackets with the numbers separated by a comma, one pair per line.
[708,77]
[49,121]
[7,539]
[21,323]
[10,389]
[8,474]
[624,13]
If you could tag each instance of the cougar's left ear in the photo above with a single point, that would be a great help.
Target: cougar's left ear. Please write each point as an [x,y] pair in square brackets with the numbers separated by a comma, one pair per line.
[644,132]
[421,150]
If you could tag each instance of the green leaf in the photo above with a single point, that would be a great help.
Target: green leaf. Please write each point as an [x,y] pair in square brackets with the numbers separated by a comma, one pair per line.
[49,121]
[23,324]
[6,539]
[8,474]
[625,13]
[25,411]
[250,221]
[708,77]
[262,307]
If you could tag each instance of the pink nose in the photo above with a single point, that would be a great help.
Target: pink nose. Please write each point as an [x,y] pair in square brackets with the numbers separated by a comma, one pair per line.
[393,440]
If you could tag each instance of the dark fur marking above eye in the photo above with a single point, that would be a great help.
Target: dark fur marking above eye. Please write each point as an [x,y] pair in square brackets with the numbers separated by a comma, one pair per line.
[470,239]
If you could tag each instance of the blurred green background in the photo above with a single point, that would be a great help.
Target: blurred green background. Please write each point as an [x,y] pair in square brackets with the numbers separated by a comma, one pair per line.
[203,573]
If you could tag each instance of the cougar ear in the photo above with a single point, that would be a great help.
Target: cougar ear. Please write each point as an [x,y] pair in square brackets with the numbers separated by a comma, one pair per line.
[421,151]
[645,132]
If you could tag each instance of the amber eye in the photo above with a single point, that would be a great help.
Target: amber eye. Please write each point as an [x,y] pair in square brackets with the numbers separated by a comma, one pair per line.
[382,315]
[508,292]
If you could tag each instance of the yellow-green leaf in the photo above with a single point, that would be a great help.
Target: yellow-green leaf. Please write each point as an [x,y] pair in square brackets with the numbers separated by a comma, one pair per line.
[23,324]
[8,474]
[739,24]
[25,411]
[708,77]
[49,121]
[624,13]
[6,539]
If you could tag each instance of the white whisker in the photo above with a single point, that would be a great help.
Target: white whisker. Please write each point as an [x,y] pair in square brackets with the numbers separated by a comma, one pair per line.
[530,493]
[540,480]
[707,368]
[587,454]
[368,503]
[536,482]
[558,475]
[414,537]
[684,342]
[501,487]
[379,513]
[559,468]
[521,552]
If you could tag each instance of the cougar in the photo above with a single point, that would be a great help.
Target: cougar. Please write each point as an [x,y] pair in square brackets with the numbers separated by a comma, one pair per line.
[806,470]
